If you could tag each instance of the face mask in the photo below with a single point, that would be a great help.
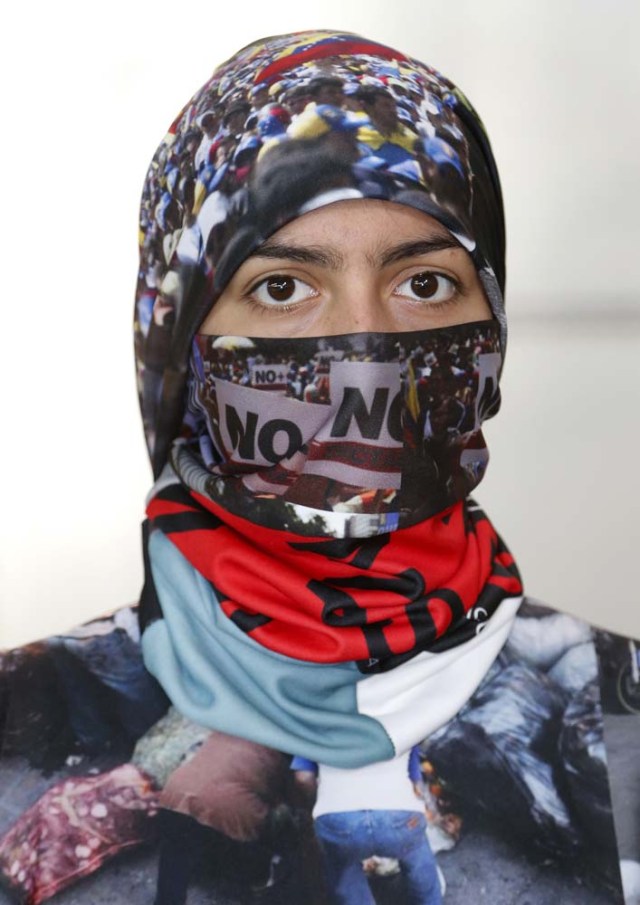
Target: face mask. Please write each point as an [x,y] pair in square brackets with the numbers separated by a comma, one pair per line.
[348,436]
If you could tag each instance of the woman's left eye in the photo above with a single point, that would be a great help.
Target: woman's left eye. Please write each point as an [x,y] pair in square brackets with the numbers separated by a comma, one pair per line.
[428,287]
[280,290]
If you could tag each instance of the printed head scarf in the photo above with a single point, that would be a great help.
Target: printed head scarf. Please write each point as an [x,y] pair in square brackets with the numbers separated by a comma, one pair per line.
[309,523]
[233,169]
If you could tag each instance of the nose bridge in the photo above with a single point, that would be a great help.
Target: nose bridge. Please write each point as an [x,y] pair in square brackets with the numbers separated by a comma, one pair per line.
[358,306]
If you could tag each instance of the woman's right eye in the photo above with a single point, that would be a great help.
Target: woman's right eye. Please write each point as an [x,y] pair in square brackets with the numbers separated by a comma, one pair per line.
[281,289]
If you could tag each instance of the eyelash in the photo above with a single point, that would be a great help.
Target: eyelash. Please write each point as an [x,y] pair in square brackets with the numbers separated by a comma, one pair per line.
[270,310]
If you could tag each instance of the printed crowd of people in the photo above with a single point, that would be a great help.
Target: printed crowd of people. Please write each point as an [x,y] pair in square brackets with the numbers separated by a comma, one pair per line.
[445,366]
[440,383]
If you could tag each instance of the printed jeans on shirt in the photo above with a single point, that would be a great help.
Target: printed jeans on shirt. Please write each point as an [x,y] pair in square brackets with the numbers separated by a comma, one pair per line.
[347,838]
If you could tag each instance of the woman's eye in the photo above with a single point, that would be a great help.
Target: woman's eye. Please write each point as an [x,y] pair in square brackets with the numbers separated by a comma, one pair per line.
[428,287]
[281,289]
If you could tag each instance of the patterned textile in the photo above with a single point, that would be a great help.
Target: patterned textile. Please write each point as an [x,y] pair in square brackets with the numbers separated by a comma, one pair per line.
[74,829]
[385,600]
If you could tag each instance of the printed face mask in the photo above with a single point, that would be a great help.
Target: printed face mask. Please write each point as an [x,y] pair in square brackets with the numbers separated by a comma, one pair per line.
[348,436]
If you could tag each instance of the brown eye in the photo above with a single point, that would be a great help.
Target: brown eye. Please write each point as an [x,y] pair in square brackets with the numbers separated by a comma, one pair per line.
[425,285]
[280,288]
[428,287]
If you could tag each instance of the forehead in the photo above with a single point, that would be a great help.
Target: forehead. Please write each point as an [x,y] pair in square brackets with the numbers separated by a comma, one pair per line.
[364,219]
[379,233]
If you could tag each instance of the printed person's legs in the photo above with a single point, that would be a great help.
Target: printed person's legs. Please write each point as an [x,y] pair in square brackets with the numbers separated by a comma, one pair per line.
[345,841]
[419,868]
[348,838]
[179,839]
[402,835]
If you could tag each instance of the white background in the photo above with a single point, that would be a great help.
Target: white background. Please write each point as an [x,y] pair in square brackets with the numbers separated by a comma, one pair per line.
[88,92]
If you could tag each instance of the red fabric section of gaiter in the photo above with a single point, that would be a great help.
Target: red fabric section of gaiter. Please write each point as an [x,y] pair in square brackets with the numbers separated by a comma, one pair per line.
[286,580]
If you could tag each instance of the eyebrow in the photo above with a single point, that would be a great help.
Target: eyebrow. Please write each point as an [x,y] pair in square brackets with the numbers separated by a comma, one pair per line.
[303,254]
[416,248]
[334,260]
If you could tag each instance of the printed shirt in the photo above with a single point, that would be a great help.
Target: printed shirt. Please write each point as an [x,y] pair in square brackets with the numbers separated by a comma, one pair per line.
[533,784]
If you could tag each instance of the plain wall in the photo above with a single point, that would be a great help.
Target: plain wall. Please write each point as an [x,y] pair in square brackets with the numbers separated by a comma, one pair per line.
[89,92]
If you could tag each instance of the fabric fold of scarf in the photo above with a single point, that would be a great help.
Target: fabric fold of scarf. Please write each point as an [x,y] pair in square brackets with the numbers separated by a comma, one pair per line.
[376,601]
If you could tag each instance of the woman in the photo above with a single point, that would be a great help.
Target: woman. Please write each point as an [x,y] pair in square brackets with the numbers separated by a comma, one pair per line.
[320,332]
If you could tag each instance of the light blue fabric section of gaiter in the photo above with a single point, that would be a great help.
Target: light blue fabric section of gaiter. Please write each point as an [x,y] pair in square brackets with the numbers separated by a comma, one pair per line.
[217,676]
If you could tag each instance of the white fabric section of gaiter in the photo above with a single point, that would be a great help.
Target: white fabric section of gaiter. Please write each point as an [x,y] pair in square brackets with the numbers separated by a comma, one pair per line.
[416,698]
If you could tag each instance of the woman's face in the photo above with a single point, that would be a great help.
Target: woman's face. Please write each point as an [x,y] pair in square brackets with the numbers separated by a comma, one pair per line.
[351,267]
